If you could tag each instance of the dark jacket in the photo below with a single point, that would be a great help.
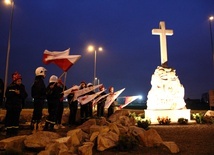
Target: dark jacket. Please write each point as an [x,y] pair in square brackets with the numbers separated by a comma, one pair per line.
[54,94]
[38,90]
[15,100]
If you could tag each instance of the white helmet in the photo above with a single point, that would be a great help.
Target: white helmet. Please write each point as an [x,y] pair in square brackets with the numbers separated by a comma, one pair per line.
[89,84]
[40,71]
[53,78]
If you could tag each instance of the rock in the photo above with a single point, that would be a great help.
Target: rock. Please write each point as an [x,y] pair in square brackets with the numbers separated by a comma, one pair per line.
[125,121]
[40,140]
[151,138]
[122,129]
[76,137]
[209,113]
[115,116]
[55,149]
[86,149]
[171,146]
[136,131]
[86,125]
[113,127]
[16,143]
[102,121]
[94,136]
[107,140]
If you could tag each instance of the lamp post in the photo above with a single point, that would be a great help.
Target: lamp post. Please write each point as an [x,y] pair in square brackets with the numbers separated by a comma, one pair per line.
[93,49]
[9,2]
[211,18]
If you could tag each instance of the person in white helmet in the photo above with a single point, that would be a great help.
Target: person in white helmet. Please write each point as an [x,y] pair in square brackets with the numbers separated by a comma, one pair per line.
[53,94]
[38,93]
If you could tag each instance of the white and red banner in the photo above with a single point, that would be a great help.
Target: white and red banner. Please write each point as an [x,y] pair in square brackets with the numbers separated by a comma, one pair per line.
[99,98]
[128,99]
[70,90]
[111,98]
[61,58]
[87,98]
[80,92]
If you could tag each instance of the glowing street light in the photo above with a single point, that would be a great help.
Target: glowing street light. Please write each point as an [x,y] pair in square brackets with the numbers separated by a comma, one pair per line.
[211,18]
[93,49]
[8,2]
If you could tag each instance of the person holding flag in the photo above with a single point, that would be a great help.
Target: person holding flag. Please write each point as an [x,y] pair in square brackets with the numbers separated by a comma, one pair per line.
[60,108]
[84,109]
[112,106]
[101,102]
[73,106]
[54,94]
[90,103]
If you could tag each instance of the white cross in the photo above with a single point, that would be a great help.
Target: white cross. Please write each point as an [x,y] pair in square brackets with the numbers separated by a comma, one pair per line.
[163,45]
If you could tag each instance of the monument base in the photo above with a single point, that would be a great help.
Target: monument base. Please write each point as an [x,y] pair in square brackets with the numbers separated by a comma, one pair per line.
[174,115]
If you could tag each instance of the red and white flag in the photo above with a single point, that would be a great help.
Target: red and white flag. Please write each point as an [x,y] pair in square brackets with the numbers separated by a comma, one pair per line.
[80,92]
[111,98]
[128,99]
[99,98]
[62,59]
[49,56]
[70,90]
[87,98]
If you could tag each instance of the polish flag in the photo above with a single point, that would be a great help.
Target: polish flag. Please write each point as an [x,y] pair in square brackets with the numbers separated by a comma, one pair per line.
[70,90]
[111,98]
[49,56]
[99,98]
[79,92]
[87,98]
[62,59]
[128,99]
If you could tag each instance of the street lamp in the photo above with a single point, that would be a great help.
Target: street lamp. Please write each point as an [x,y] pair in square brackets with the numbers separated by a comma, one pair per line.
[211,18]
[93,49]
[9,2]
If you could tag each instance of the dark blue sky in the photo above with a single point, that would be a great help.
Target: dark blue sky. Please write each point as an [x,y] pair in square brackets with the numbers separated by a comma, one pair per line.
[123,28]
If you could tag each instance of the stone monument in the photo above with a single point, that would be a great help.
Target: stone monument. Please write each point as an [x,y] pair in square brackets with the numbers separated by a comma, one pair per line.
[166,96]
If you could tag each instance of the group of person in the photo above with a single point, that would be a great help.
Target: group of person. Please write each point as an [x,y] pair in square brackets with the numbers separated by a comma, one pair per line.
[16,95]
[87,109]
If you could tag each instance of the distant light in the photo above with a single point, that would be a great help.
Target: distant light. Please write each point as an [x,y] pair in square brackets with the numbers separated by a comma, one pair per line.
[90,48]
[140,97]
[211,18]
[8,2]
[100,49]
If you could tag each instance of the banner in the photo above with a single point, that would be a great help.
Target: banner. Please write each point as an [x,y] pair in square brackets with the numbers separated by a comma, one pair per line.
[62,59]
[111,98]
[87,98]
[128,99]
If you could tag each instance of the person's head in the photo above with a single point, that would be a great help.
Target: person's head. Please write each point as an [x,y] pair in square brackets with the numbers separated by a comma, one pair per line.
[17,78]
[40,71]
[111,89]
[53,78]
[82,84]
[101,88]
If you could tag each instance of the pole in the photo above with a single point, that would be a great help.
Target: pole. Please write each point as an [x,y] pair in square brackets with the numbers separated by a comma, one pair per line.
[8,48]
[211,35]
[95,64]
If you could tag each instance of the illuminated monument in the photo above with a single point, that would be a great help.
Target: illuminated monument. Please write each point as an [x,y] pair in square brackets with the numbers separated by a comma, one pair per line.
[166,97]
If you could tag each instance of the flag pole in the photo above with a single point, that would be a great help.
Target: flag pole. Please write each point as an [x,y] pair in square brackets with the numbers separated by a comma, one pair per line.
[64,80]
[62,75]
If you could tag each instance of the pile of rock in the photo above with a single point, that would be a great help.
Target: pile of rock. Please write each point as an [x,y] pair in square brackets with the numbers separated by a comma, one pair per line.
[100,134]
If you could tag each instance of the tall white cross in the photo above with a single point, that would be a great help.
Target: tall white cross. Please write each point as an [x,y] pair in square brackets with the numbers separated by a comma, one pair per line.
[163,45]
